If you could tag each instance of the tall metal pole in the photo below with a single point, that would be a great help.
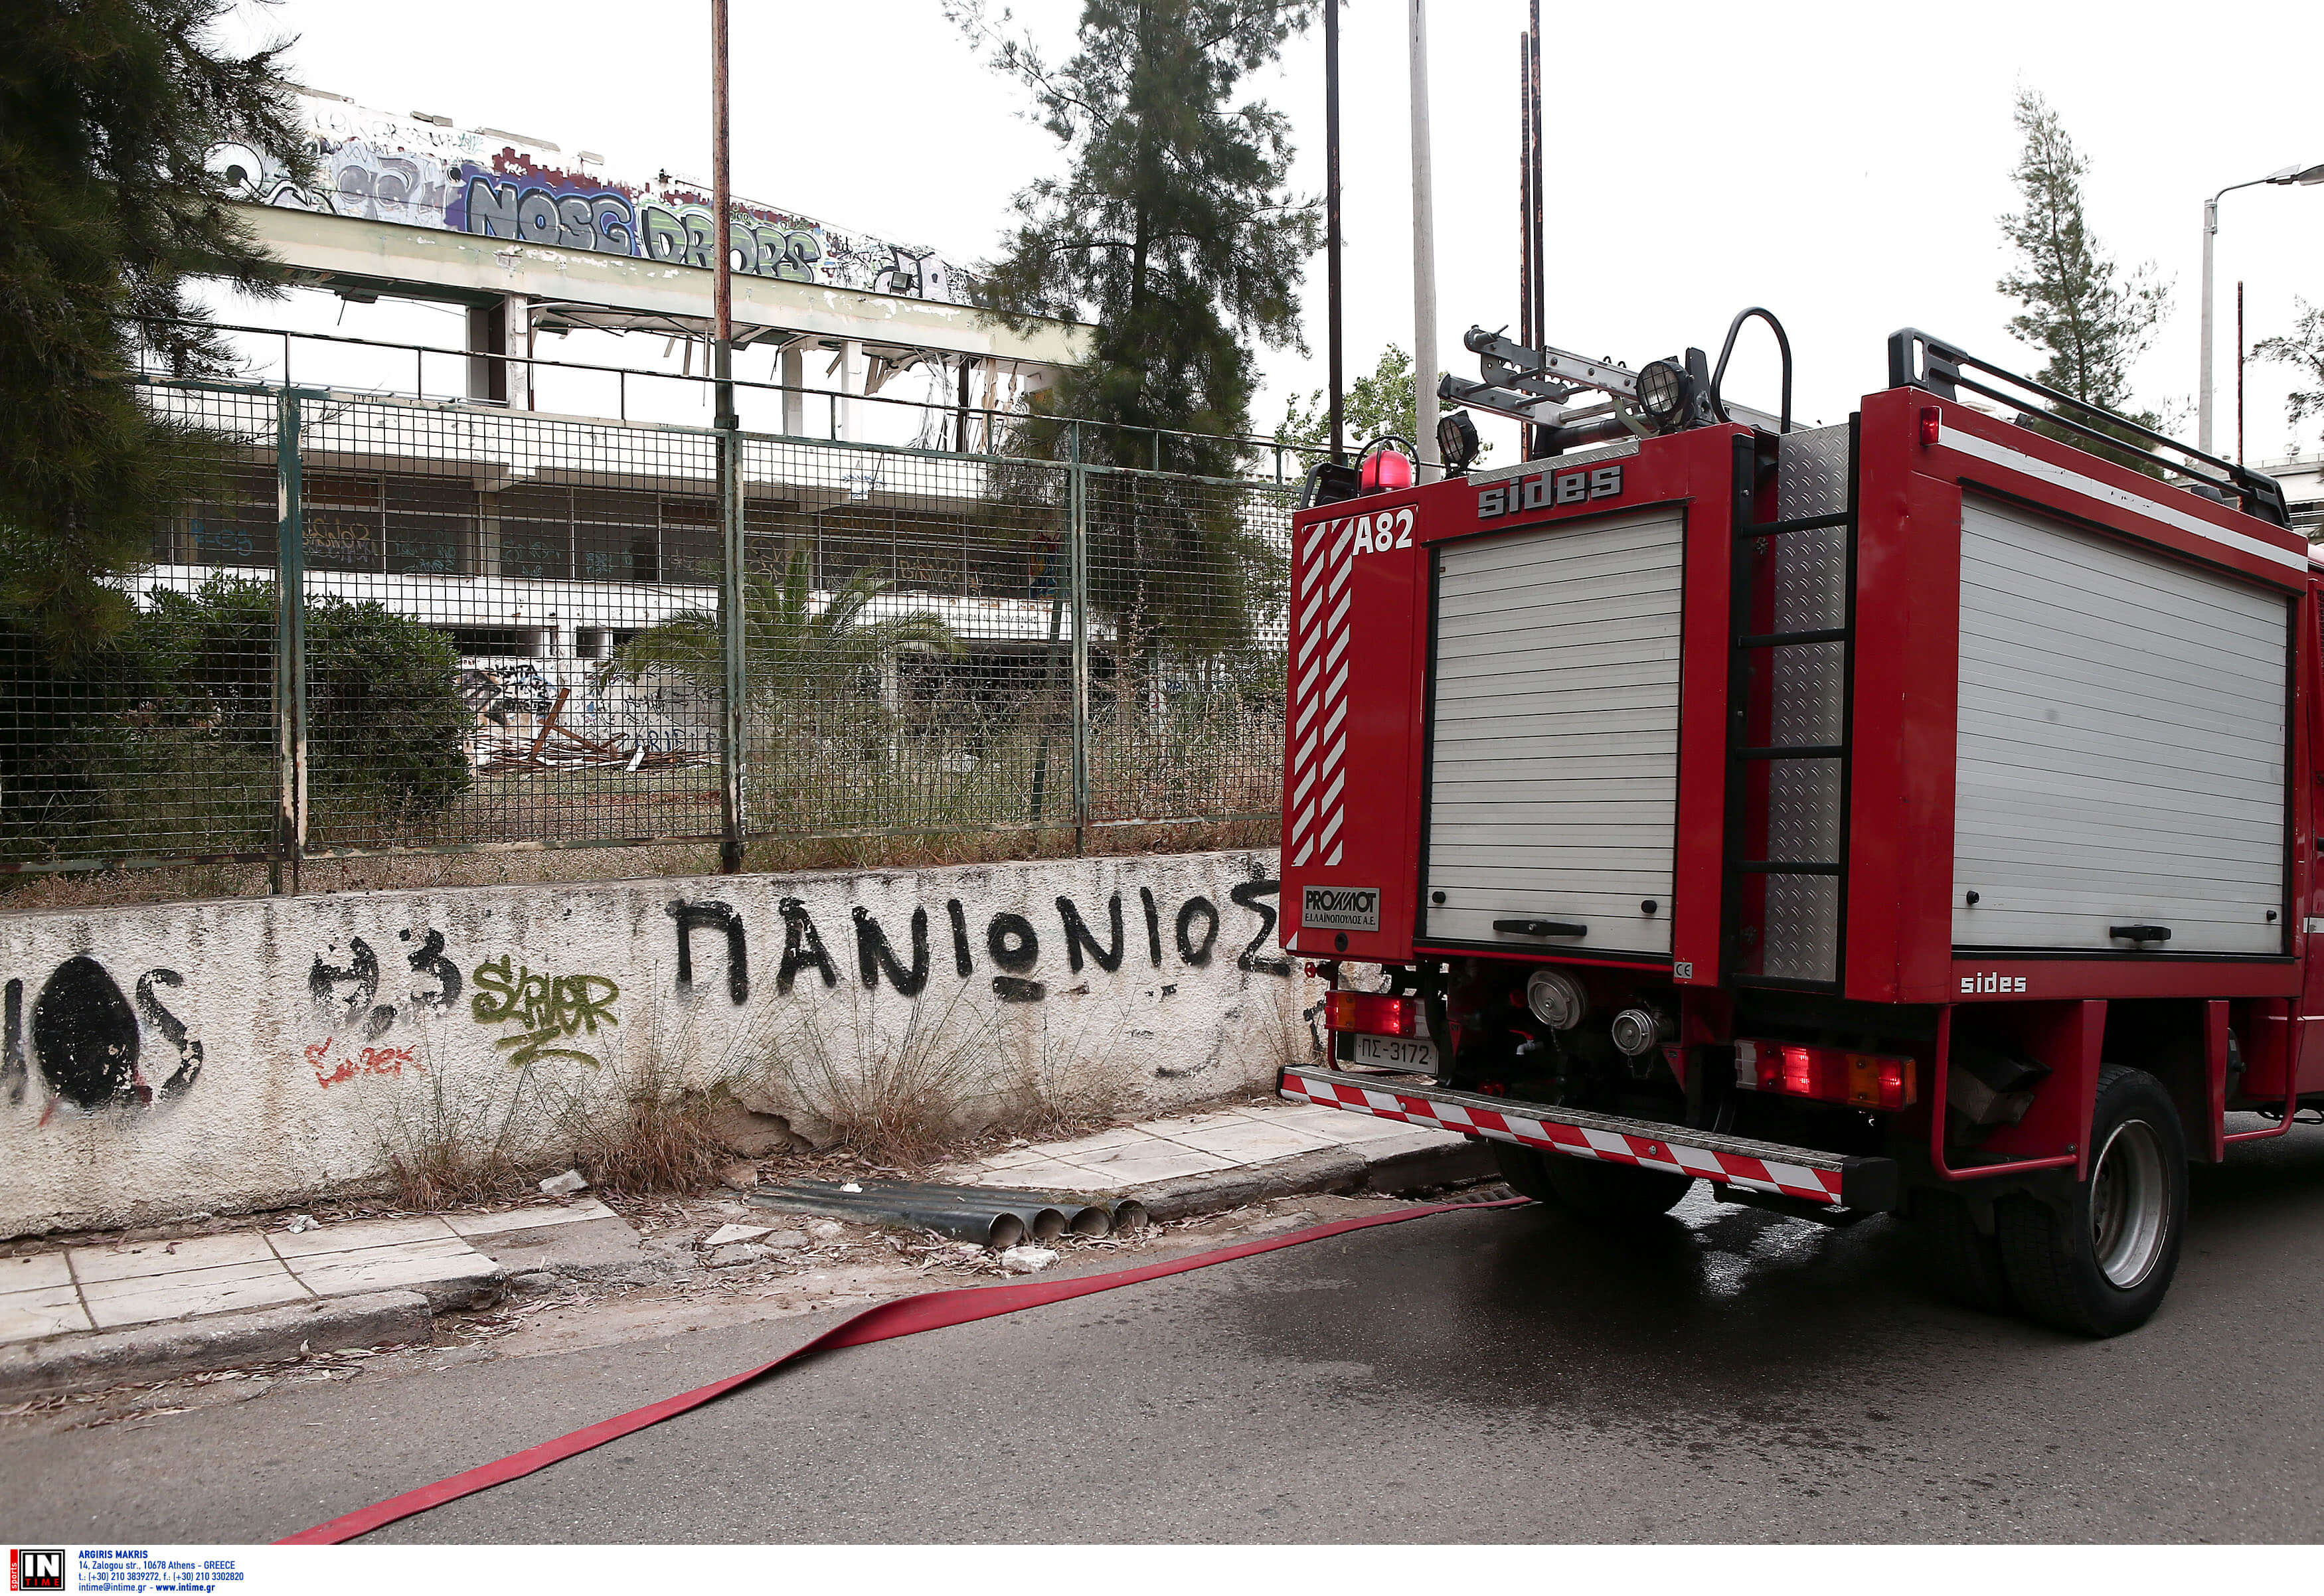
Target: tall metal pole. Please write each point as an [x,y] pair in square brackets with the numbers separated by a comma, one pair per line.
[1331,222]
[1423,260]
[2203,386]
[721,229]
[2306,178]
[732,608]
[1535,139]
[1524,187]
[2239,371]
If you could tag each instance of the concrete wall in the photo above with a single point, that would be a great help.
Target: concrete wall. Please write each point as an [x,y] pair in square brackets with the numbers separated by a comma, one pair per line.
[173,1058]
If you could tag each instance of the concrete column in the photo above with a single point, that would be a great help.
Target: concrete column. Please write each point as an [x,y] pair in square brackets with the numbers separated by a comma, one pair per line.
[488,334]
[793,376]
[505,328]
[853,371]
[516,312]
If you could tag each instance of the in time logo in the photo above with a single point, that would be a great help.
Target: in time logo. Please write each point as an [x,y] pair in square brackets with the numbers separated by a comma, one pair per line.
[36,1568]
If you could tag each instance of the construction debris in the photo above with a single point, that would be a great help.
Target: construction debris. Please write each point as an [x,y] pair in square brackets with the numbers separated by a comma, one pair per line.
[573,751]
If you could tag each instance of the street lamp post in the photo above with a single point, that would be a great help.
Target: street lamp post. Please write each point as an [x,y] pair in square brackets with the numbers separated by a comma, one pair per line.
[2290,175]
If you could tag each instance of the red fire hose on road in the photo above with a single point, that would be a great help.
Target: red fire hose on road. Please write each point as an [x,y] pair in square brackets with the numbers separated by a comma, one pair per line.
[909,1315]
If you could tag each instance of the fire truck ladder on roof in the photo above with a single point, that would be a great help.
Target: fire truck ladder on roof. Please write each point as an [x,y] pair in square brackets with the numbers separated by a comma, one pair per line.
[1791,661]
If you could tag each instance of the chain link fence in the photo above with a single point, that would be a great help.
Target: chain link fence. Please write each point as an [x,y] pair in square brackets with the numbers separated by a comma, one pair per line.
[378,625]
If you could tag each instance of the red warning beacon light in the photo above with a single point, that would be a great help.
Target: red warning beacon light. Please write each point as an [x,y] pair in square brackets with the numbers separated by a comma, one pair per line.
[1386,471]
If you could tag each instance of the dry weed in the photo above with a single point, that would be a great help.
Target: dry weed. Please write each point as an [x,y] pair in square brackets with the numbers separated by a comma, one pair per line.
[169,883]
[443,1146]
[894,1096]
[1070,1086]
[640,1128]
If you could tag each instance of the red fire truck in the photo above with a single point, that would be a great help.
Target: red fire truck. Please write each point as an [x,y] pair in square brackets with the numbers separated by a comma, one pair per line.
[1911,816]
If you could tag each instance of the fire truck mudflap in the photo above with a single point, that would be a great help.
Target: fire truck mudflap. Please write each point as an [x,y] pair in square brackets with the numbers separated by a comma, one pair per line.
[1866,1185]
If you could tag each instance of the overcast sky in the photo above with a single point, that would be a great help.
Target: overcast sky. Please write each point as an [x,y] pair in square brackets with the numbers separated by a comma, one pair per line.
[1842,164]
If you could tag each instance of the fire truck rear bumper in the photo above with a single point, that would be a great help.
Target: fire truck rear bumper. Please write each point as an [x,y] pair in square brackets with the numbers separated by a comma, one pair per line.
[1834,1179]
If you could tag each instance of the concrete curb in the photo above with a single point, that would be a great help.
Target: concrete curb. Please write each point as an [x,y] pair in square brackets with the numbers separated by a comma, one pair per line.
[1390,1169]
[220,1341]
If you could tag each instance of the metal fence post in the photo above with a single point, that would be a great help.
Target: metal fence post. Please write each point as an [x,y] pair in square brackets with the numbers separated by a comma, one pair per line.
[734,631]
[290,652]
[1077,572]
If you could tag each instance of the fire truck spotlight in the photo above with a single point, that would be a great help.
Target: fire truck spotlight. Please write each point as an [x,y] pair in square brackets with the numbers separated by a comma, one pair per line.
[1662,391]
[1456,442]
[1556,1000]
[1637,1031]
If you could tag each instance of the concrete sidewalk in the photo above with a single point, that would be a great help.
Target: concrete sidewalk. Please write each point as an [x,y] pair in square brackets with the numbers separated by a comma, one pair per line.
[81,1315]
[144,1307]
[1181,1165]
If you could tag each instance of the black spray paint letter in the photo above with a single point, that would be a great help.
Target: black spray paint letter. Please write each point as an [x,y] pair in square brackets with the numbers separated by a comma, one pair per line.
[959,917]
[872,954]
[1248,895]
[427,959]
[85,1035]
[362,969]
[1013,944]
[716,916]
[1197,953]
[802,946]
[189,1046]
[1153,926]
[1077,936]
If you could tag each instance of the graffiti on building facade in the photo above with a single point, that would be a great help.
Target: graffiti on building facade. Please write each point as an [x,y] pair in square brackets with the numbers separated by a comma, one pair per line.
[377,166]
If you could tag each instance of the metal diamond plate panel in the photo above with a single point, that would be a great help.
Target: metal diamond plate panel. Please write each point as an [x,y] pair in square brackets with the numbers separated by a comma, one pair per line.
[1803,810]
[1808,684]
[1811,472]
[1803,940]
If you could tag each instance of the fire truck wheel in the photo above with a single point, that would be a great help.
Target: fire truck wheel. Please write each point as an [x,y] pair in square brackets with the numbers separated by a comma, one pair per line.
[1965,1260]
[2101,1267]
[1608,1194]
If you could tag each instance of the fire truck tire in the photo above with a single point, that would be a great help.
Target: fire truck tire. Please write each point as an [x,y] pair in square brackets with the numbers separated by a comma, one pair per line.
[2101,1266]
[1606,1194]
[1965,1260]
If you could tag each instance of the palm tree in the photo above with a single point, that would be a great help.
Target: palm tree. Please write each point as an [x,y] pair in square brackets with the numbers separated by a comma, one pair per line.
[789,646]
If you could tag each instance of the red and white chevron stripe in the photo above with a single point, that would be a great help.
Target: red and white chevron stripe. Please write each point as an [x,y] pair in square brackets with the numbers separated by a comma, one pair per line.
[1318,730]
[1759,1175]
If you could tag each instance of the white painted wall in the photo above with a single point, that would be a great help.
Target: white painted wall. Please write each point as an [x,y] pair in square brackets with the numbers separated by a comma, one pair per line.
[165,1059]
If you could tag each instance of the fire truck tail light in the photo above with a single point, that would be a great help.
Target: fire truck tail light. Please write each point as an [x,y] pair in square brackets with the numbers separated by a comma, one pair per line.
[1372,1014]
[1829,1075]
[1931,422]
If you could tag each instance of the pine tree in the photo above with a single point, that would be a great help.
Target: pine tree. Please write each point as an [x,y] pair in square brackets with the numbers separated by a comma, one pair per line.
[1172,233]
[1173,236]
[2081,310]
[108,111]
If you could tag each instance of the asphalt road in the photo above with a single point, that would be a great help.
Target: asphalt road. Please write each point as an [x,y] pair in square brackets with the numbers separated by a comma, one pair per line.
[1486,1376]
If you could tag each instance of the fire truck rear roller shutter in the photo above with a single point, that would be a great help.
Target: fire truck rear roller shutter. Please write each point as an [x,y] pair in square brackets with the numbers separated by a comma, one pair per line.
[2121,743]
[1553,757]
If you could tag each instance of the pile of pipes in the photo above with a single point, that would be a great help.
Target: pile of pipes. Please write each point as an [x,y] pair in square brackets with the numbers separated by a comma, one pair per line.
[989,1215]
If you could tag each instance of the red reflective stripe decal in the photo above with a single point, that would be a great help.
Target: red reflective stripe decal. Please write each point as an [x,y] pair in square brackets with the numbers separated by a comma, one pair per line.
[1816,1186]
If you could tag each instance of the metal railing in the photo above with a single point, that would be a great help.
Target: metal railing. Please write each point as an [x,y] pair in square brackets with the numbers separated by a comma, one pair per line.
[378,625]
[995,429]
